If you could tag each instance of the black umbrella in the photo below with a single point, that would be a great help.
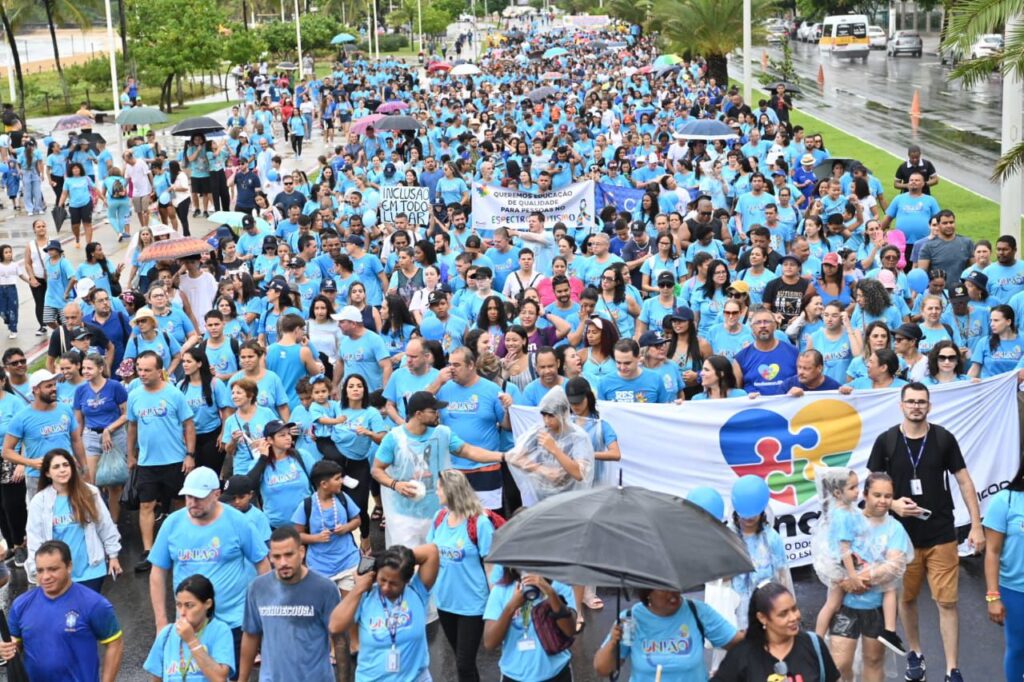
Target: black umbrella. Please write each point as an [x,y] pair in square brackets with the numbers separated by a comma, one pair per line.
[397,123]
[16,666]
[823,170]
[59,215]
[790,88]
[200,125]
[621,537]
[542,93]
[94,139]
[288,66]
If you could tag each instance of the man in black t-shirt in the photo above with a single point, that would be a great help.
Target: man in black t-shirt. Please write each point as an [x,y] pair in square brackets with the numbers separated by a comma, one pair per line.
[785,296]
[915,164]
[61,338]
[919,457]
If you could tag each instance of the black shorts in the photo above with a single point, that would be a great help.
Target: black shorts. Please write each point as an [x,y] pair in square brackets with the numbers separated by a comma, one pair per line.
[201,185]
[80,214]
[159,482]
[856,623]
[328,124]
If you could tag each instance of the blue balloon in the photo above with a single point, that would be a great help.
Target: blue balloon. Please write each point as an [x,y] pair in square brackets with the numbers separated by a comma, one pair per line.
[708,499]
[917,279]
[431,329]
[750,496]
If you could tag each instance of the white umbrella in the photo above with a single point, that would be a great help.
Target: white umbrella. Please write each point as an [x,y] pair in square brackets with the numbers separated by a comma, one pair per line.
[465,70]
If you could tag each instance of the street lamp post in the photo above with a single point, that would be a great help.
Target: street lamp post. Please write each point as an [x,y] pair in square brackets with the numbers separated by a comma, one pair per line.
[419,12]
[298,37]
[1010,203]
[748,75]
[9,58]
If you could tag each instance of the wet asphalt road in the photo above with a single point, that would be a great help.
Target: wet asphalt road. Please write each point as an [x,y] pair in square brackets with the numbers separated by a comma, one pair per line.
[959,128]
[981,641]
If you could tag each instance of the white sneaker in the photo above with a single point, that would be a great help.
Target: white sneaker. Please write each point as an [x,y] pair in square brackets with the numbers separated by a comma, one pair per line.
[12,335]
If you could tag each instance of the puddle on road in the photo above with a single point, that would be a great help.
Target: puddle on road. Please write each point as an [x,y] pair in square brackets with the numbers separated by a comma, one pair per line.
[947,132]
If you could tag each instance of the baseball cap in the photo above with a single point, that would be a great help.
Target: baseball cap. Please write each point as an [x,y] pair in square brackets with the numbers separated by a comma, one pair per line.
[652,338]
[200,482]
[887,279]
[274,426]
[248,222]
[978,279]
[328,285]
[83,287]
[666,277]
[143,313]
[958,293]
[908,331]
[576,390]
[389,169]
[269,242]
[79,333]
[277,284]
[791,257]
[355,239]
[236,486]
[637,228]
[296,262]
[41,376]
[423,400]
[831,259]
[349,313]
[652,158]
[436,297]
[740,286]
[682,313]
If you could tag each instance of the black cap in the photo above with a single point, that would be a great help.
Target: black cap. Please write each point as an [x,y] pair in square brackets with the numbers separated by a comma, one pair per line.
[791,257]
[576,390]
[436,297]
[269,242]
[666,277]
[958,293]
[637,228]
[652,338]
[248,221]
[355,239]
[277,284]
[978,279]
[908,331]
[324,469]
[54,245]
[423,400]
[236,486]
[328,285]
[80,333]
[273,426]
[296,262]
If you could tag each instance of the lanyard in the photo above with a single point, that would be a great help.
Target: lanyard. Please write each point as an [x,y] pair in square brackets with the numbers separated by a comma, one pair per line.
[910,455]
[525,612]
[185,665]
[391,617]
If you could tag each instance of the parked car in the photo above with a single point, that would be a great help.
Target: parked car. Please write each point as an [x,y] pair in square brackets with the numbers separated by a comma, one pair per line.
[776,33]
[815,33]
[905,42]
[803,33]
[987,45]
[877,38]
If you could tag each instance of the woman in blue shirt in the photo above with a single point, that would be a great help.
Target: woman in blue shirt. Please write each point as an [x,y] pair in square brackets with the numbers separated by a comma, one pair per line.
[99,406]
[718,380]
[97,267]
[508,622]
[196,647]
[56,165]
[707,301]
[389,606]
[170,319]
[1004,570]
[1001,350]
[211,405]
[243,427]
[77,194]
[272,394]
[119,204]
[281,474]
[462,533]
[357,437]
[452,189]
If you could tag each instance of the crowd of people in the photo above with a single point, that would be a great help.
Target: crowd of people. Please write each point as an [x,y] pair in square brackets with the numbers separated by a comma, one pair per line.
[322,372]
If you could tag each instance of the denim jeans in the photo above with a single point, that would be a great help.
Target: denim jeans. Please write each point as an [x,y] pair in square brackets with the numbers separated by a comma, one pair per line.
[33,190]
[9,305]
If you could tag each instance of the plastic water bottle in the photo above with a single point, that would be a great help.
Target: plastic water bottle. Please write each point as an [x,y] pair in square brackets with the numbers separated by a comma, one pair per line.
[628,628]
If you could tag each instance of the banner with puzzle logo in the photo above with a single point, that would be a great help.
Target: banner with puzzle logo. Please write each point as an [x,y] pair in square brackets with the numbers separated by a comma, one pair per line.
[675,448]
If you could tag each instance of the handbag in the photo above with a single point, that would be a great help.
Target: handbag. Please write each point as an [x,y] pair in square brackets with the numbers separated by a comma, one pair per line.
[130,493]
[551,637]
[112,469]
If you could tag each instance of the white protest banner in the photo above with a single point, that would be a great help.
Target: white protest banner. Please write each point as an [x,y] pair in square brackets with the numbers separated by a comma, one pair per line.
[494,206]
[413,201]
[675,448]
[589,22]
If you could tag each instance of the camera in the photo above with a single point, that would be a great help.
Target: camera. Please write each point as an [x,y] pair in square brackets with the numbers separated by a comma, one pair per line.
[530,592]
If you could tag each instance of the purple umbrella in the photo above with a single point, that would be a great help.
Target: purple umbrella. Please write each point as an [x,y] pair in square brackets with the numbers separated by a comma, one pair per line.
[392,107]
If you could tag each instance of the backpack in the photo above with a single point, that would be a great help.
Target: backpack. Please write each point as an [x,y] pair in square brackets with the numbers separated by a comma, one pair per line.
[307,507]
[117,190]
[892,442]
[497,520]
[235,347]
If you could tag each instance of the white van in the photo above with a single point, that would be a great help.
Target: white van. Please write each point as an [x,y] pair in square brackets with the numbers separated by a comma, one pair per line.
[846,36]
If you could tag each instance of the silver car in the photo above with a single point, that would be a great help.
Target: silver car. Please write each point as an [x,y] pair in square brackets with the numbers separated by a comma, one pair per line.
[905,42]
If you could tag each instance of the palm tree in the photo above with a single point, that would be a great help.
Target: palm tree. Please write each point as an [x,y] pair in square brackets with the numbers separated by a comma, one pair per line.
[63,11]
[708,28]
[9,18]
[968,20]
[630,11]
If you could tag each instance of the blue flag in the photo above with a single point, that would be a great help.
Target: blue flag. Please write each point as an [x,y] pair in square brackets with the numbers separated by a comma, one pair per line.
[622,198]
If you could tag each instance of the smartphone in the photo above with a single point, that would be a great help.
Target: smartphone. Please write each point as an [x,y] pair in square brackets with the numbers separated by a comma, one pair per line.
[925,514]
[366,565]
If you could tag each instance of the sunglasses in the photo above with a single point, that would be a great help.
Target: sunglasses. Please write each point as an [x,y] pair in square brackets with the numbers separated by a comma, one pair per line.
[665,285]
[736,295]
[948,358]
[15,363]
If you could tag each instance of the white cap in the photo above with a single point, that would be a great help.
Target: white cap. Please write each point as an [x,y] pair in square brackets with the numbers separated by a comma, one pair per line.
[652,158]
[200,482]
[41,376]
[349,313]
[83,287]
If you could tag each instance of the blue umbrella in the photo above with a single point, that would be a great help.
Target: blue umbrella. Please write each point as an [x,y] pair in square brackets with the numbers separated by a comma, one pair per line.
[342,38]
[706,130]
[553,52]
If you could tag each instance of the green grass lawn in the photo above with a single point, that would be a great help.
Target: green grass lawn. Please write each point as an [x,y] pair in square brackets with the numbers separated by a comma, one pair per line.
[976,216]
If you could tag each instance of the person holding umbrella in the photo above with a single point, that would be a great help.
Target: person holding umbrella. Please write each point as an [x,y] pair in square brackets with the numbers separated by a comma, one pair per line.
[775,647]
[675,623]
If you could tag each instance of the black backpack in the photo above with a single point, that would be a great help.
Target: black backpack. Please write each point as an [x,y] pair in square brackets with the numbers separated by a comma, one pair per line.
[307,507]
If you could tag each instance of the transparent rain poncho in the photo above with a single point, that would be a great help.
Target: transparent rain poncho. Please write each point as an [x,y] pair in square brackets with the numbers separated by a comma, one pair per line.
[418,460]
[537,472]
[838,526]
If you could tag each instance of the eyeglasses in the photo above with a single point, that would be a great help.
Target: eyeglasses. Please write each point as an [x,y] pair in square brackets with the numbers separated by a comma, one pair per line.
[915,403]
[736,294]
[15,363]
[288,184]
[948,358]
[730,312]
[663,285]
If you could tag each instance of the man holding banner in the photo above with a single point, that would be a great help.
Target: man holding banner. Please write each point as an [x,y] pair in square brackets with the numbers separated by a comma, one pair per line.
[918,456]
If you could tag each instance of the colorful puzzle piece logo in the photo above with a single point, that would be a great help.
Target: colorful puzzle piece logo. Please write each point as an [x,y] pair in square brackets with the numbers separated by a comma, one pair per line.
[784,452]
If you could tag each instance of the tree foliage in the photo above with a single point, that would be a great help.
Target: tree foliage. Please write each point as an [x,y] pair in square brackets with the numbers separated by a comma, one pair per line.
[317,30]
[241,46]
[279,37]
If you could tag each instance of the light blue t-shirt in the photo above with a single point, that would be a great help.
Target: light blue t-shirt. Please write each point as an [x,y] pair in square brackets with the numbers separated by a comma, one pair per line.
[403,383]
[160,418]
[340,553]
[461,585]
[530,662]
[837,354]
[40,432]
[1003,359]
[67,529]
[1005,514]
[673,642]
[1005,280]
[473,414]
[645,388]
[363,356]
[270,391]
[377,617]
[244,458]
[728,343]
[207,416]
[874,545]
[351,443]
[165,656]
[284,485]
[218,550]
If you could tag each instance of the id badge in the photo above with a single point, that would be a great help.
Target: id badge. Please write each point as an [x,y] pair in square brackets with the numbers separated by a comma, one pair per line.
[915,487]
[393,661]
[526,645]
